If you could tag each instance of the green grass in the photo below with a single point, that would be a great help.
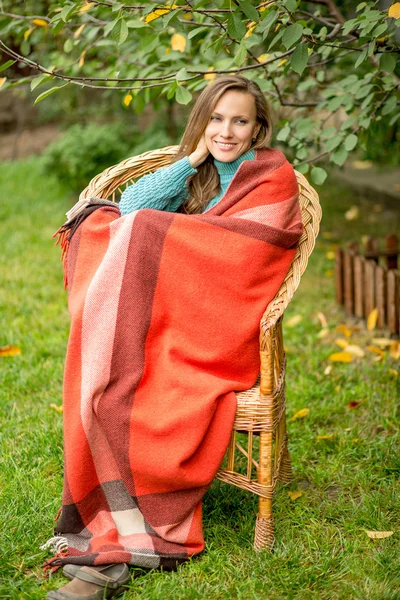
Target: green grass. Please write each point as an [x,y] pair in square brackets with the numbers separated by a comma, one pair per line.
[349,483]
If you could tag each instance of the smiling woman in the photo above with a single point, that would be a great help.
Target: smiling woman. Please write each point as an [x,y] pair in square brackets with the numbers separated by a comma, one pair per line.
[229,123]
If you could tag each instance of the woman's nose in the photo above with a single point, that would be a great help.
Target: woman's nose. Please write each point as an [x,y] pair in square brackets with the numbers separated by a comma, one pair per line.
[226,129]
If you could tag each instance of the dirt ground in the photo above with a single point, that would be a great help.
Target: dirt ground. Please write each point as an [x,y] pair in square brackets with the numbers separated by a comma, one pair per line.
[18,144]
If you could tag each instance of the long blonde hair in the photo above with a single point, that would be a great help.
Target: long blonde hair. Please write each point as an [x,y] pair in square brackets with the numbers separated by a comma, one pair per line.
[205,184]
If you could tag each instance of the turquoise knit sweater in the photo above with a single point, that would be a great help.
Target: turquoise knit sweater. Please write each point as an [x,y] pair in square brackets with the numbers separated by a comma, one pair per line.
[166,189]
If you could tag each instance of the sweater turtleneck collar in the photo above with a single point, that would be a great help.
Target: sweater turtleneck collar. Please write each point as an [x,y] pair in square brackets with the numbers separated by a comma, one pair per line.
[226,170]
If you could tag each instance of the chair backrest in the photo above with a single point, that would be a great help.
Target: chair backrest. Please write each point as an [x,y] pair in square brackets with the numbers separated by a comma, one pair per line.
[109,184]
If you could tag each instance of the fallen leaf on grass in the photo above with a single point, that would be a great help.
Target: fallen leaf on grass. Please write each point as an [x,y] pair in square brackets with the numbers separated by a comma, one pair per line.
[394,373]
[9,350]
[293,321]
[328,370]
[355,350]
[329,273]
[322,319]
[382,342]
[300,414]
[372,319]
[330,255]
[57,408]
[343,329]
[354,404]
[394,350]
[378,535]
[342,343]
[378,351]
[355,440]
[352,214]
[362,164]
[323,333]
[295,495]
[326,437]
[345,357]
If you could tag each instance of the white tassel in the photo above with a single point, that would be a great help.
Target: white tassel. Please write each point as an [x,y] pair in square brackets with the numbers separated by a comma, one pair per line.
[56,544]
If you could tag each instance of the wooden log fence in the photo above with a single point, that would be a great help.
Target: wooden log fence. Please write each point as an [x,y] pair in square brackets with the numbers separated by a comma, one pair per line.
[369,278]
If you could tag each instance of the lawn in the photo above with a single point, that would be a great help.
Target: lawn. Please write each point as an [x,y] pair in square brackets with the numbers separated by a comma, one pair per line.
[348,478]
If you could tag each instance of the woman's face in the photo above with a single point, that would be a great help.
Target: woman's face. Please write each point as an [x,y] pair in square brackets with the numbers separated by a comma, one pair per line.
[232,126]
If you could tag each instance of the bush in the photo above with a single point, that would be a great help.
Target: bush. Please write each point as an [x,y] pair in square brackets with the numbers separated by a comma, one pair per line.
[85,151]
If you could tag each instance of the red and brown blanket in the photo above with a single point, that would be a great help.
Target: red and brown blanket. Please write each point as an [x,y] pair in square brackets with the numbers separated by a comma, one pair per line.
[165,311]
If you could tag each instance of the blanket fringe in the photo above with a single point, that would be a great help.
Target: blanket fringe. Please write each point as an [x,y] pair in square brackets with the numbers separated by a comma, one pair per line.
[57,544]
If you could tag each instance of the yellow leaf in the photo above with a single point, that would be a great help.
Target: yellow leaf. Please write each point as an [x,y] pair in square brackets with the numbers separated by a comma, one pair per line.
[187,16]
[372,319]
[394,373]
[210,76]
[127,99]
[355,350]
[343,329]
[376,350]
[79,30]
[382,342]
[155,14]
[394,350]
[323,333]
[167,50]
[379,535]
[86,7]
[295,495]
[352,214]
[2,80]
[57,408]
[330,255]
[178,42]
[322,319]
[295,320]
[262,58]
[277,27]
[329,273]
[28,32]
[394,11]
[82,59]
[355,440]
[342,343]
[300,414]
[325,437]
[249,33]
[345,357]
[282,62]
[40,22]
[328,370]
[9,350]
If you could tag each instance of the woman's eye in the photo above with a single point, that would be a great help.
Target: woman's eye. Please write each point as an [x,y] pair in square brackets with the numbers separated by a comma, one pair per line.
[214,118]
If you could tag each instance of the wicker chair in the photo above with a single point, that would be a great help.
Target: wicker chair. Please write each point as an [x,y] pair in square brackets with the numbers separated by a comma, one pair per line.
[258,463]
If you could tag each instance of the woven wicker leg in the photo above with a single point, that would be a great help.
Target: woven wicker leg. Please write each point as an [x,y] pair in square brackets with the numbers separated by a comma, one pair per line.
[264,532]
[285,472]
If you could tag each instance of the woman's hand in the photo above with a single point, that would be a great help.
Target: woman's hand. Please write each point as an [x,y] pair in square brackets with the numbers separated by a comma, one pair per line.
[200,154]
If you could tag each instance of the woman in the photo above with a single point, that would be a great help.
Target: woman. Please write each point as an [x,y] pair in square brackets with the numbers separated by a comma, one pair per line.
[166,295]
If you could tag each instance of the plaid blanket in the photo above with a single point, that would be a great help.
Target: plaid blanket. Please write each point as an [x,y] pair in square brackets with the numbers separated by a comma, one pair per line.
[165,311]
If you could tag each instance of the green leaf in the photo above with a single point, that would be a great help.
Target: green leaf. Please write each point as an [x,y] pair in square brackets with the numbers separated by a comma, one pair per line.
[291,5]
[48,92]
[67,11]
[120,31]
[318,175]
[387,63]
[266,24]
[299,58]
[334,143]
[350,142]
[182,74]
[276,39]
[7,64]
[390,105]
[39,80]
[182,95]
[379,30]
[340,156]
[196,31]
[361,6]
[363,91]
[283,134]
[68,45]
[136,24]
[241,54]
[250,11]
[304,168]
[291,35]
[361,58]
[236,28]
